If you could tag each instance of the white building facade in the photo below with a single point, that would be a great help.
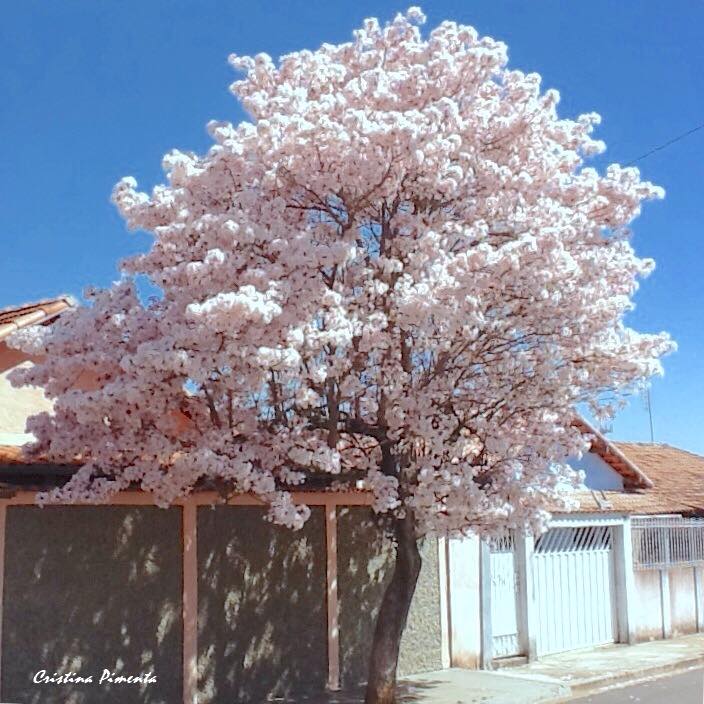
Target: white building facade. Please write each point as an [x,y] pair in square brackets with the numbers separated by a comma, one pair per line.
[627,567]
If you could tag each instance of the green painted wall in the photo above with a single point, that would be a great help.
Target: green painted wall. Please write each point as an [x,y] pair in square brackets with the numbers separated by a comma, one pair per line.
[262,611]
[364,561]
[88,588]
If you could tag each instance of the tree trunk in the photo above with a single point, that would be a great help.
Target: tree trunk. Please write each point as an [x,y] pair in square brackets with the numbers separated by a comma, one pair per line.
[381,685]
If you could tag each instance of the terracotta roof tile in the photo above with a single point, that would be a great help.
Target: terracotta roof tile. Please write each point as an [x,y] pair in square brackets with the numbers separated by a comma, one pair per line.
[10,454]
[678,475]
[644,502]
[39,313]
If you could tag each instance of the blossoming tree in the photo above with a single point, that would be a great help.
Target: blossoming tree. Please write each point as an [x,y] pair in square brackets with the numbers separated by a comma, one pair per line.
[398,272]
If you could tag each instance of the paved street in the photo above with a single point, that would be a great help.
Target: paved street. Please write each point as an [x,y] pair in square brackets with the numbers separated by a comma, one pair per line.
[687,688]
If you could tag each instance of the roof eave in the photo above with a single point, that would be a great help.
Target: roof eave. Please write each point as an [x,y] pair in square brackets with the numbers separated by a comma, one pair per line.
[44,313]
[604,447]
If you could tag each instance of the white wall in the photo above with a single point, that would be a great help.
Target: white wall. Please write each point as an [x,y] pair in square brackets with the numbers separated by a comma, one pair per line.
[647,611]
[683,605]
[16,405]
[598,474]
[673,590]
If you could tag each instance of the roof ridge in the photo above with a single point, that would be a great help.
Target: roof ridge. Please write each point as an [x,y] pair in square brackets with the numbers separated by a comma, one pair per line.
[664,445]
[644,443]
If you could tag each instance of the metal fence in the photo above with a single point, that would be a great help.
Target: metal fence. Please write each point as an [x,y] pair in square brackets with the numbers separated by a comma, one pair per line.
[661,543]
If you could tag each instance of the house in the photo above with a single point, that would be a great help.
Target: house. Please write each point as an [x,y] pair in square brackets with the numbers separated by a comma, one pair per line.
[219,605]
[626,566]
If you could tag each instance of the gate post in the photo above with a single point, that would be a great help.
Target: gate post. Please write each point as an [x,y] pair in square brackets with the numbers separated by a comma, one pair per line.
[445,601]
[464,601]
[665,603]
[699,597]
[665,600]
[487,645]
[527,614]
[625,582]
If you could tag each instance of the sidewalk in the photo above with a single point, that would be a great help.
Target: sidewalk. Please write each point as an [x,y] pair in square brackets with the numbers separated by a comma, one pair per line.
[557,678]
[457,686]
[586,671]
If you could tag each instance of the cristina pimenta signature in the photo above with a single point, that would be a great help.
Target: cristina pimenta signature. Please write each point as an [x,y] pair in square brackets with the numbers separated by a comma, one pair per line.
[106,677]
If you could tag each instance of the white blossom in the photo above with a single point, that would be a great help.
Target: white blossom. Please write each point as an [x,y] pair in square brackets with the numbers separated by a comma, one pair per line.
[401,268]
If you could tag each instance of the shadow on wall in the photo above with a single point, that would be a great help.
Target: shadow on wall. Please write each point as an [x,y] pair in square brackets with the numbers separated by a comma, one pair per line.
[262,633]
[364,559]
[365,562]
[89,589]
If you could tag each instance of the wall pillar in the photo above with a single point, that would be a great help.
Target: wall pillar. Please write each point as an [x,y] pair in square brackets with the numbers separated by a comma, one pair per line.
[487,643]
[699,597]
[3,519]
[526,602]
[665,606]
[333,611]
[444,584]
[464,602]
[625,582]
[190,602]
[665,602]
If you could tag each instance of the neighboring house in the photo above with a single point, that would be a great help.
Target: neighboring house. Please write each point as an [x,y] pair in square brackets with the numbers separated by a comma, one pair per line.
[17,404]
[626,566]
[222,606]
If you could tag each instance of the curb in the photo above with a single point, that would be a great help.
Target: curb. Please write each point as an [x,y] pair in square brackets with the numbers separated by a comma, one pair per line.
[585,687]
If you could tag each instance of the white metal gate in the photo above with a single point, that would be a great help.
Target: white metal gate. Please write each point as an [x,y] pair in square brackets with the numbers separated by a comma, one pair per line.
[504,588]
[573,578]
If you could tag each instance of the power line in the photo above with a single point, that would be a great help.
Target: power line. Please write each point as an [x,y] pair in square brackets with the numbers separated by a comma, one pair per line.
[652,151]
[666,144]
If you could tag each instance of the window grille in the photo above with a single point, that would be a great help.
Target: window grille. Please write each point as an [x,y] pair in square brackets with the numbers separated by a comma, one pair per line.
[664,542]
[502,543]
[574,539]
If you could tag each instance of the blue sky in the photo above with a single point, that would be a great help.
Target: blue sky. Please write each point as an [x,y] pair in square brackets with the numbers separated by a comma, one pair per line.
[92,91]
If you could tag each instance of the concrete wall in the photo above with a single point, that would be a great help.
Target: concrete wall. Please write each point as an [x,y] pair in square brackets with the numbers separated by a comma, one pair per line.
[421,645]
[648,608]
[262,628]
[676,592]
[683,605]
[88,588]
[364,560]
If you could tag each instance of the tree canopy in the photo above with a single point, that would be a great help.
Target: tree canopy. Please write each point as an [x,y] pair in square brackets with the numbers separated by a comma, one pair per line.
[399,273]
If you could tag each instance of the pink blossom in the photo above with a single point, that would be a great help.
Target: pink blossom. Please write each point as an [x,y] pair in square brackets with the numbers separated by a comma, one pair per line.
[400,271]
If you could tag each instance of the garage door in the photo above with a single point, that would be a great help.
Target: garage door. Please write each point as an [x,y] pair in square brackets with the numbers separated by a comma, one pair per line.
[573,575]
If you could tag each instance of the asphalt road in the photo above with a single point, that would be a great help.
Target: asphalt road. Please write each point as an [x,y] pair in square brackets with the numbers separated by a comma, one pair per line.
[687,688]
